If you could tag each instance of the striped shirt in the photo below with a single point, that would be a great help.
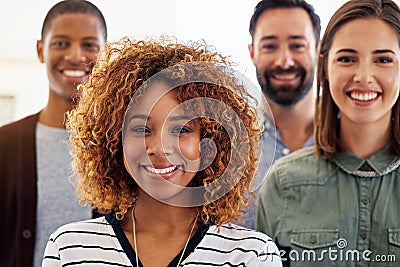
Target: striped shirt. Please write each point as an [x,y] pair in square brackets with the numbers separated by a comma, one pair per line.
[101,242]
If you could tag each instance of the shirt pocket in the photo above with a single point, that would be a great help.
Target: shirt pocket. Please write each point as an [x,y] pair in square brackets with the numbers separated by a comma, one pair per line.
[394,246]
[310,247]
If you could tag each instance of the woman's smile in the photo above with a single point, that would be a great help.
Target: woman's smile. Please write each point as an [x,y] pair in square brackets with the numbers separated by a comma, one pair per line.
[162,172]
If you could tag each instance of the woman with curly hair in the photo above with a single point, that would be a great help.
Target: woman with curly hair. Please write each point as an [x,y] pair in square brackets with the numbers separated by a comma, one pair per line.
[165,144]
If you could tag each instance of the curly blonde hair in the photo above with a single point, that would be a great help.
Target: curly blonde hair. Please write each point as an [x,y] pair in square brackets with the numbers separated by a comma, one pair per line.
[96,124]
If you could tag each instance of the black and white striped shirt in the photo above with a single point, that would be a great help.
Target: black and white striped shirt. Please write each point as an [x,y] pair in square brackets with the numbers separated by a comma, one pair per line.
[101,242]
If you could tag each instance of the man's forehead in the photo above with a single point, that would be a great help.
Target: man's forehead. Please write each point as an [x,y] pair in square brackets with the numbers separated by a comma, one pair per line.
[284,23]
[86,22]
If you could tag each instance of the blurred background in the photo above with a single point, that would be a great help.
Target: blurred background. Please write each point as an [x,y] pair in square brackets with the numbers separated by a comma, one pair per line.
[221,23]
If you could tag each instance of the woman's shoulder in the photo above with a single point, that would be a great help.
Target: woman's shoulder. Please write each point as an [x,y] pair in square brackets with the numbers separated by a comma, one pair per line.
[301,159]
[301,165]
[238,235]
[231,241]
[303,155]
[81,242]
[231,230]
[81,228]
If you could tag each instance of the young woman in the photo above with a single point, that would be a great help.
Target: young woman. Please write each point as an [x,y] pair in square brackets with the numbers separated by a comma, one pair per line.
[344,194]
[165,144]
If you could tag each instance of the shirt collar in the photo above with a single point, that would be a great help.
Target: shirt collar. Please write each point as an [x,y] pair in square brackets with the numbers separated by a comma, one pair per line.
[267,125]
[381,163]
[268,129]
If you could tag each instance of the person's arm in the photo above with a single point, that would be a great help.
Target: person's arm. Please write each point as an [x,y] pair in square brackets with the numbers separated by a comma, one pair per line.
[271,209]
[270,204]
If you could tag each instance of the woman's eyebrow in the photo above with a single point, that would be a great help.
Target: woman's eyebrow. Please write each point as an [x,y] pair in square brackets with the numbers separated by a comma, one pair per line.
[179,118]
[170,118]
[378,51]
[382,51]
[140,117]
[346,50]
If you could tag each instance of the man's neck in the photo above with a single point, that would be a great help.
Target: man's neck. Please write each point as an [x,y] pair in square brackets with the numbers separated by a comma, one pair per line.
[294,123]
[54,113]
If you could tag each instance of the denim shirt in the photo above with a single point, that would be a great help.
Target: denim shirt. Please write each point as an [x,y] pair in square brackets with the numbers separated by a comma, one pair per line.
[344,212]
[272,148]
[272,142]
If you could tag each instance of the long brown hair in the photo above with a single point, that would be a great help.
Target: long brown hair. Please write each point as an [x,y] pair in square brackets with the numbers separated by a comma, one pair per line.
[326,122]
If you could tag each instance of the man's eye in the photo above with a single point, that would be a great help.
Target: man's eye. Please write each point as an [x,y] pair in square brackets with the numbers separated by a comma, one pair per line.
[92,46]
[60,44]
[298,46]
[269,46]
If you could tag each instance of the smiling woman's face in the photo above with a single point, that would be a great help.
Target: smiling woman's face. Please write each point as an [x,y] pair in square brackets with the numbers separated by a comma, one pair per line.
[363,71]
[161,145]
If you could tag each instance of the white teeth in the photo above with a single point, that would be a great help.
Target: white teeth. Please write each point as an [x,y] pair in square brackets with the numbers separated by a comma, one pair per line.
[363,96]
[74,73]
[161,171]
[286,77]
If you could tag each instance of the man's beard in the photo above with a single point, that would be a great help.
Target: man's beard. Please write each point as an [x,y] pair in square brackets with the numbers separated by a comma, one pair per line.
[286,95]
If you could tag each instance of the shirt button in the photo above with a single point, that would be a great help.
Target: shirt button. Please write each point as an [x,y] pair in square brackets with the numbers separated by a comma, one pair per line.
[313,239]
[26,234]
[363,234]
[285,151]
[365,200]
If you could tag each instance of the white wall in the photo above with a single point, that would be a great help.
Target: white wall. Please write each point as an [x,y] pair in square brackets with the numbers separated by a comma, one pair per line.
[221,23]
